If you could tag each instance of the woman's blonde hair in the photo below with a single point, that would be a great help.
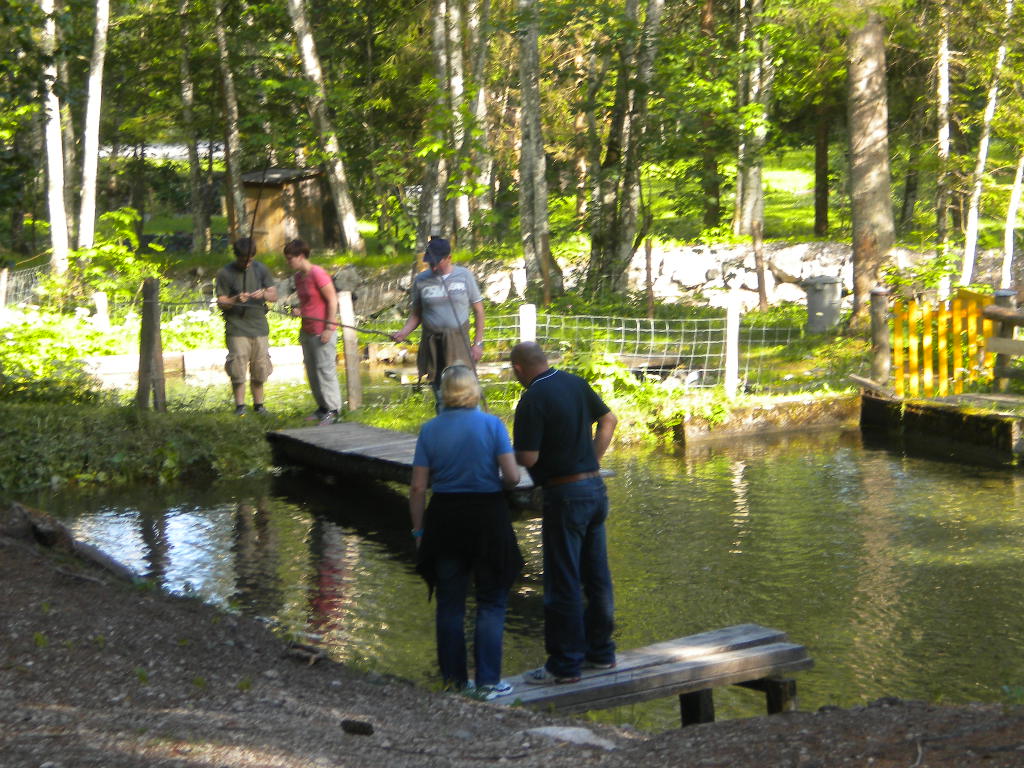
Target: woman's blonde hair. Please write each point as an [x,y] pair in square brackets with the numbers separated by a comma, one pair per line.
[459,387]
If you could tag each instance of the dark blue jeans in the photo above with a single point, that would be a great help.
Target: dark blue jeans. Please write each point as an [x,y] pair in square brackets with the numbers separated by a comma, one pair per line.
[579,607]
[452,584]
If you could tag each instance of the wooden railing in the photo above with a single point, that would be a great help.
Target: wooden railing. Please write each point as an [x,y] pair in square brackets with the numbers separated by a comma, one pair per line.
[938,348]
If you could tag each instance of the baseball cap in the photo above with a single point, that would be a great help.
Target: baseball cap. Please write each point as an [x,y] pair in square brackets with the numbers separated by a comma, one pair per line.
[437,249]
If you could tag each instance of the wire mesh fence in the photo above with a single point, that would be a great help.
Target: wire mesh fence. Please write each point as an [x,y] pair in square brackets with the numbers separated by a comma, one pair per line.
[692,350]
[21,284]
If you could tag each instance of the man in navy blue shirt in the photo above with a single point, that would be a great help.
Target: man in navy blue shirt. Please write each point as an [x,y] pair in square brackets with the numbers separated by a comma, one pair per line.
[554,437]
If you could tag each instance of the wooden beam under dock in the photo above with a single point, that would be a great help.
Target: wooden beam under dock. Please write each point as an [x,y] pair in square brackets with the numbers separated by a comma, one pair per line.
[748,655]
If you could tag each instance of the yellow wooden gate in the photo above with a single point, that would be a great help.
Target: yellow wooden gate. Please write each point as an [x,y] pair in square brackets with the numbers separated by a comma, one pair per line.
[939,347]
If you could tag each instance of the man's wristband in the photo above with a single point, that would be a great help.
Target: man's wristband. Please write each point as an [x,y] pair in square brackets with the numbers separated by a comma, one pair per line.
[479,344]
[417,533]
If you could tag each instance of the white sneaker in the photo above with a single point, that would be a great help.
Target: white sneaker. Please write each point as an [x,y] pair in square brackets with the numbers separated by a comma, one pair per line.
[490,692]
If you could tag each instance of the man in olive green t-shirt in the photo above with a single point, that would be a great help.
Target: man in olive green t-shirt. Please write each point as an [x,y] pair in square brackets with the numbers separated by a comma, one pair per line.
[243,289]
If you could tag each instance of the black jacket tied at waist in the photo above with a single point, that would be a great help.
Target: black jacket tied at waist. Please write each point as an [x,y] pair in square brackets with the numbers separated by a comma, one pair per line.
[474,528]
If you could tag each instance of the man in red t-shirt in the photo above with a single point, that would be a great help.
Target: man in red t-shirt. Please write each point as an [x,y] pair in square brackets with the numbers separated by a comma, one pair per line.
[318,308]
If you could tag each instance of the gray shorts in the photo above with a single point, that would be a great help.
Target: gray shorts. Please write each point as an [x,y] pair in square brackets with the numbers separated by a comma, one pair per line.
[248,353]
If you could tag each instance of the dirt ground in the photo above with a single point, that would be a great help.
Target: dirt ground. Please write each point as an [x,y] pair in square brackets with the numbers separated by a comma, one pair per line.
[96,671]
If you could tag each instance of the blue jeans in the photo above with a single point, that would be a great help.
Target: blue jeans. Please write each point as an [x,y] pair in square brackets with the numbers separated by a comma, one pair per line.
[576,571]
[452,584]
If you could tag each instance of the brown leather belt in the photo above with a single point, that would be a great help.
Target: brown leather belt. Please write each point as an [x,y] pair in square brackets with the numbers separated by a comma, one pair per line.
[563,479]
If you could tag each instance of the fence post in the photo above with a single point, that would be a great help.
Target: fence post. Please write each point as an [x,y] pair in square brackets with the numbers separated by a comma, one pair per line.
[350,348]
[151,351]
[1005,297]
[99,299]
[4,272]
[881,347]
[527,322]
[732,345]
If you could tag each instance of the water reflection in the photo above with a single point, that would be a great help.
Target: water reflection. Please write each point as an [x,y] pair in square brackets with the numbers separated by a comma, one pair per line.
[893,570]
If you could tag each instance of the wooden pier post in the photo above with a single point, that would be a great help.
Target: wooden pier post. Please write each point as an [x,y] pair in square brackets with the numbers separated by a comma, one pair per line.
[350,348]
[151,350]
[1006,298]
[881,347]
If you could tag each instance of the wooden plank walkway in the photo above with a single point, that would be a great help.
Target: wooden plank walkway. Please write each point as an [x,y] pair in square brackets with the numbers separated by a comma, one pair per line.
[691,667]
[353,448]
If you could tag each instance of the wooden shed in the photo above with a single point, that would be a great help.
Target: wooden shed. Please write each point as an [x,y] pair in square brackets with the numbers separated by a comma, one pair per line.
[291,203]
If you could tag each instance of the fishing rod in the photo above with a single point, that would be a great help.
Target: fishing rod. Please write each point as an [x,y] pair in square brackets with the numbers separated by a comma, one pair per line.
[357,328]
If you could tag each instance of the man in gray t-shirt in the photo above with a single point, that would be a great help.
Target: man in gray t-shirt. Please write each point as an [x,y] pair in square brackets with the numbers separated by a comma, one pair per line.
[442,297]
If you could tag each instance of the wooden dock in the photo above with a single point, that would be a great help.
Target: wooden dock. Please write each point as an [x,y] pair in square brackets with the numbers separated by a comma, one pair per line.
[351,448]
[748,655]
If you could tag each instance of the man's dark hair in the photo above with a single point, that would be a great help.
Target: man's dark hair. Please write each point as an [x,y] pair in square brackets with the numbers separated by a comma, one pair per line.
[244,247]
[530,354]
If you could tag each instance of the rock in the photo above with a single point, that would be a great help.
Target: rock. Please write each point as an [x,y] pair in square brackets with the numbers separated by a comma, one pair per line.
[357,727]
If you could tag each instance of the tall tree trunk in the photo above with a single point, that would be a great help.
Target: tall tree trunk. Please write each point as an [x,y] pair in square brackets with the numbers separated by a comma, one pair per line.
[943,138]
[978,177]
[742,93]
[479,151]
[614,227]
[336,178]
[197,198]
[233,148]
[533,187]
[822,129]
[460,136]
[597,68]
[868,111]
[759,86]
[70,141]
[91,138]
[710,177]
[1006,275]
[433,211]
[54,146]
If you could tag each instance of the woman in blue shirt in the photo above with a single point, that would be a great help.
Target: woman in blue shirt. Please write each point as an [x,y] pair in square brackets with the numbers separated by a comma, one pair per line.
[466,530]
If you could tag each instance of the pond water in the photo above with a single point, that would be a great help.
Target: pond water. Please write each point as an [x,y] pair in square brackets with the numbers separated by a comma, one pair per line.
[903,576]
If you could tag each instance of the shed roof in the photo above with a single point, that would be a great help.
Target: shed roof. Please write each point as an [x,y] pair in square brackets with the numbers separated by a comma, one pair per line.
[276,177]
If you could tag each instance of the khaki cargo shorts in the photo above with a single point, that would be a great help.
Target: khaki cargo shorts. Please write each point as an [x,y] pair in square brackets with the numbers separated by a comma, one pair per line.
[248,353]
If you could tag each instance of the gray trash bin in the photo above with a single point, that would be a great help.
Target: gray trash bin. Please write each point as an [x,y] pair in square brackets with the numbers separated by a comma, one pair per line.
[824,298]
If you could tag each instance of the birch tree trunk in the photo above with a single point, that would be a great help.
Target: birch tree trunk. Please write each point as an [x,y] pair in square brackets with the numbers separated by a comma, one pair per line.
[868,112]
[233,148]
[942,139]
[977,178]
[433,209]
[336,178]
[460,136]
[1006,275]
[479,22]
[54,146]
[197,198]
[91,137]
